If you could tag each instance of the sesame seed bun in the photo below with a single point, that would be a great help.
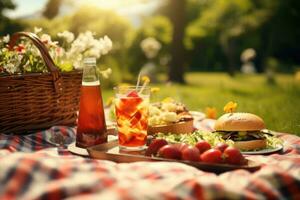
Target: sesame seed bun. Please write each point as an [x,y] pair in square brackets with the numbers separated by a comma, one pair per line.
[239,122]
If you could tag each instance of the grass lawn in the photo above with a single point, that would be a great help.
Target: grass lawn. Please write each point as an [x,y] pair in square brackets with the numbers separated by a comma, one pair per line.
[278,105]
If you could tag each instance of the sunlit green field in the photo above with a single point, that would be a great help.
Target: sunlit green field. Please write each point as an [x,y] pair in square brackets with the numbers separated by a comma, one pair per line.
[278,105]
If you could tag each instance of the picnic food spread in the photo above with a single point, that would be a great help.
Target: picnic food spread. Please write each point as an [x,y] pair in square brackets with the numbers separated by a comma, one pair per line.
[169,116]
[165,178]
[244,129]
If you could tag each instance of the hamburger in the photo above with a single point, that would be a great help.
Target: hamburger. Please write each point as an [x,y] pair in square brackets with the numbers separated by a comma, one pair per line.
[244,129]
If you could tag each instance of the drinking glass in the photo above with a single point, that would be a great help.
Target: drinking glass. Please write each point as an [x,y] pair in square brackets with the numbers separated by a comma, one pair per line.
[131,108]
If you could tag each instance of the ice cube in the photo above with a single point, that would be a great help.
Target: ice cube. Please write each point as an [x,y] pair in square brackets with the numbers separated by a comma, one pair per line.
[135,118]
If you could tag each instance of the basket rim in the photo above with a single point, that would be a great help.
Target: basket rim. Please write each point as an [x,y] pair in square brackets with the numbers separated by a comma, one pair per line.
[38,74]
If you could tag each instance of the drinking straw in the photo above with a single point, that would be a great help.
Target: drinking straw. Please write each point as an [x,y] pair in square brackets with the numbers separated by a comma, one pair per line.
[138,81]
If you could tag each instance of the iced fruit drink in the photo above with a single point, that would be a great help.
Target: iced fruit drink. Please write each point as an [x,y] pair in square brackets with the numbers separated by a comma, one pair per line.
[131,109]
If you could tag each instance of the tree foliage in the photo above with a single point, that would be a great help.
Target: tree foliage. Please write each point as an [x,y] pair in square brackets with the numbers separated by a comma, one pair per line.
[227,21]
[6,4]
[101,22]
[52,8]
[280,34]
[216,32]
[224,28]
[158,27]
[8,26]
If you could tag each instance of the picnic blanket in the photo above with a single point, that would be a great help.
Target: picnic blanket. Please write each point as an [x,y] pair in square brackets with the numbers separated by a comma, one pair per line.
[31,167]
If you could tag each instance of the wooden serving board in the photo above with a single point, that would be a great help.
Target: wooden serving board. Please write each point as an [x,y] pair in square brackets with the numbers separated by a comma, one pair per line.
[111,151]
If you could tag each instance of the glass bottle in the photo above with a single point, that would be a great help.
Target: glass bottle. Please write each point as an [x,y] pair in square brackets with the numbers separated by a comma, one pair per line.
[91,127]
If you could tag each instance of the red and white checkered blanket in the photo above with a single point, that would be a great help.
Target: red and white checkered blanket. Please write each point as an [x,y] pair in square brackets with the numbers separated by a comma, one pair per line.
[33,168]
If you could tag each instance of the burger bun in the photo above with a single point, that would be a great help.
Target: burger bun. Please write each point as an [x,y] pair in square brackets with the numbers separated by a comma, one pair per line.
[239,122]
[251,144]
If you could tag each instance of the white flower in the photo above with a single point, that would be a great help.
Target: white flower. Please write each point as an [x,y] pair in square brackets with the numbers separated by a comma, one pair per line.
[69,36]
[87,44]
[10,68]
[94,52]
[27,66]
[77,63]
[35,51]
[150,46]
[106,44]
[6,38]
[20,57]
[46,39]
[106,73]
[77,47]
[37,30]
[248,54]
[82,43]
[87,39]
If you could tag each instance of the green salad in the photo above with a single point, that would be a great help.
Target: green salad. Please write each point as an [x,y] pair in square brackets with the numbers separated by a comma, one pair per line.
[212,138]
[273,142]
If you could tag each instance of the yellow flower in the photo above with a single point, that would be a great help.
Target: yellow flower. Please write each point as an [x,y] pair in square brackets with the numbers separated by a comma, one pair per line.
[145,79]
[110,101]
[230,107]
[211,112]
[155,89]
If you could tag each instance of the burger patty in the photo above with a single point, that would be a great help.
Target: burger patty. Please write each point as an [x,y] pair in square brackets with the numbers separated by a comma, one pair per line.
[242,135]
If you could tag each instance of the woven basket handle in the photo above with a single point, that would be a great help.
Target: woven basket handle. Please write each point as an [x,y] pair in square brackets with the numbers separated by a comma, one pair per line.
[44,53]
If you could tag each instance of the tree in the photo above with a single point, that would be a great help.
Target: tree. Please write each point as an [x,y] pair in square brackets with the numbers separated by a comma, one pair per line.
[52,8]
[280,34]
[5,5]
[176,68]
[229,21]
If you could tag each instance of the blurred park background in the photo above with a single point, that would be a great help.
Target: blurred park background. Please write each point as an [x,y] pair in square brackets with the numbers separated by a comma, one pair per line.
[206,52]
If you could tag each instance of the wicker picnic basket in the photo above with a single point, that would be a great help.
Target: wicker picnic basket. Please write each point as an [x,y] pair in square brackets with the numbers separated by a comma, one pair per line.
[36,101]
